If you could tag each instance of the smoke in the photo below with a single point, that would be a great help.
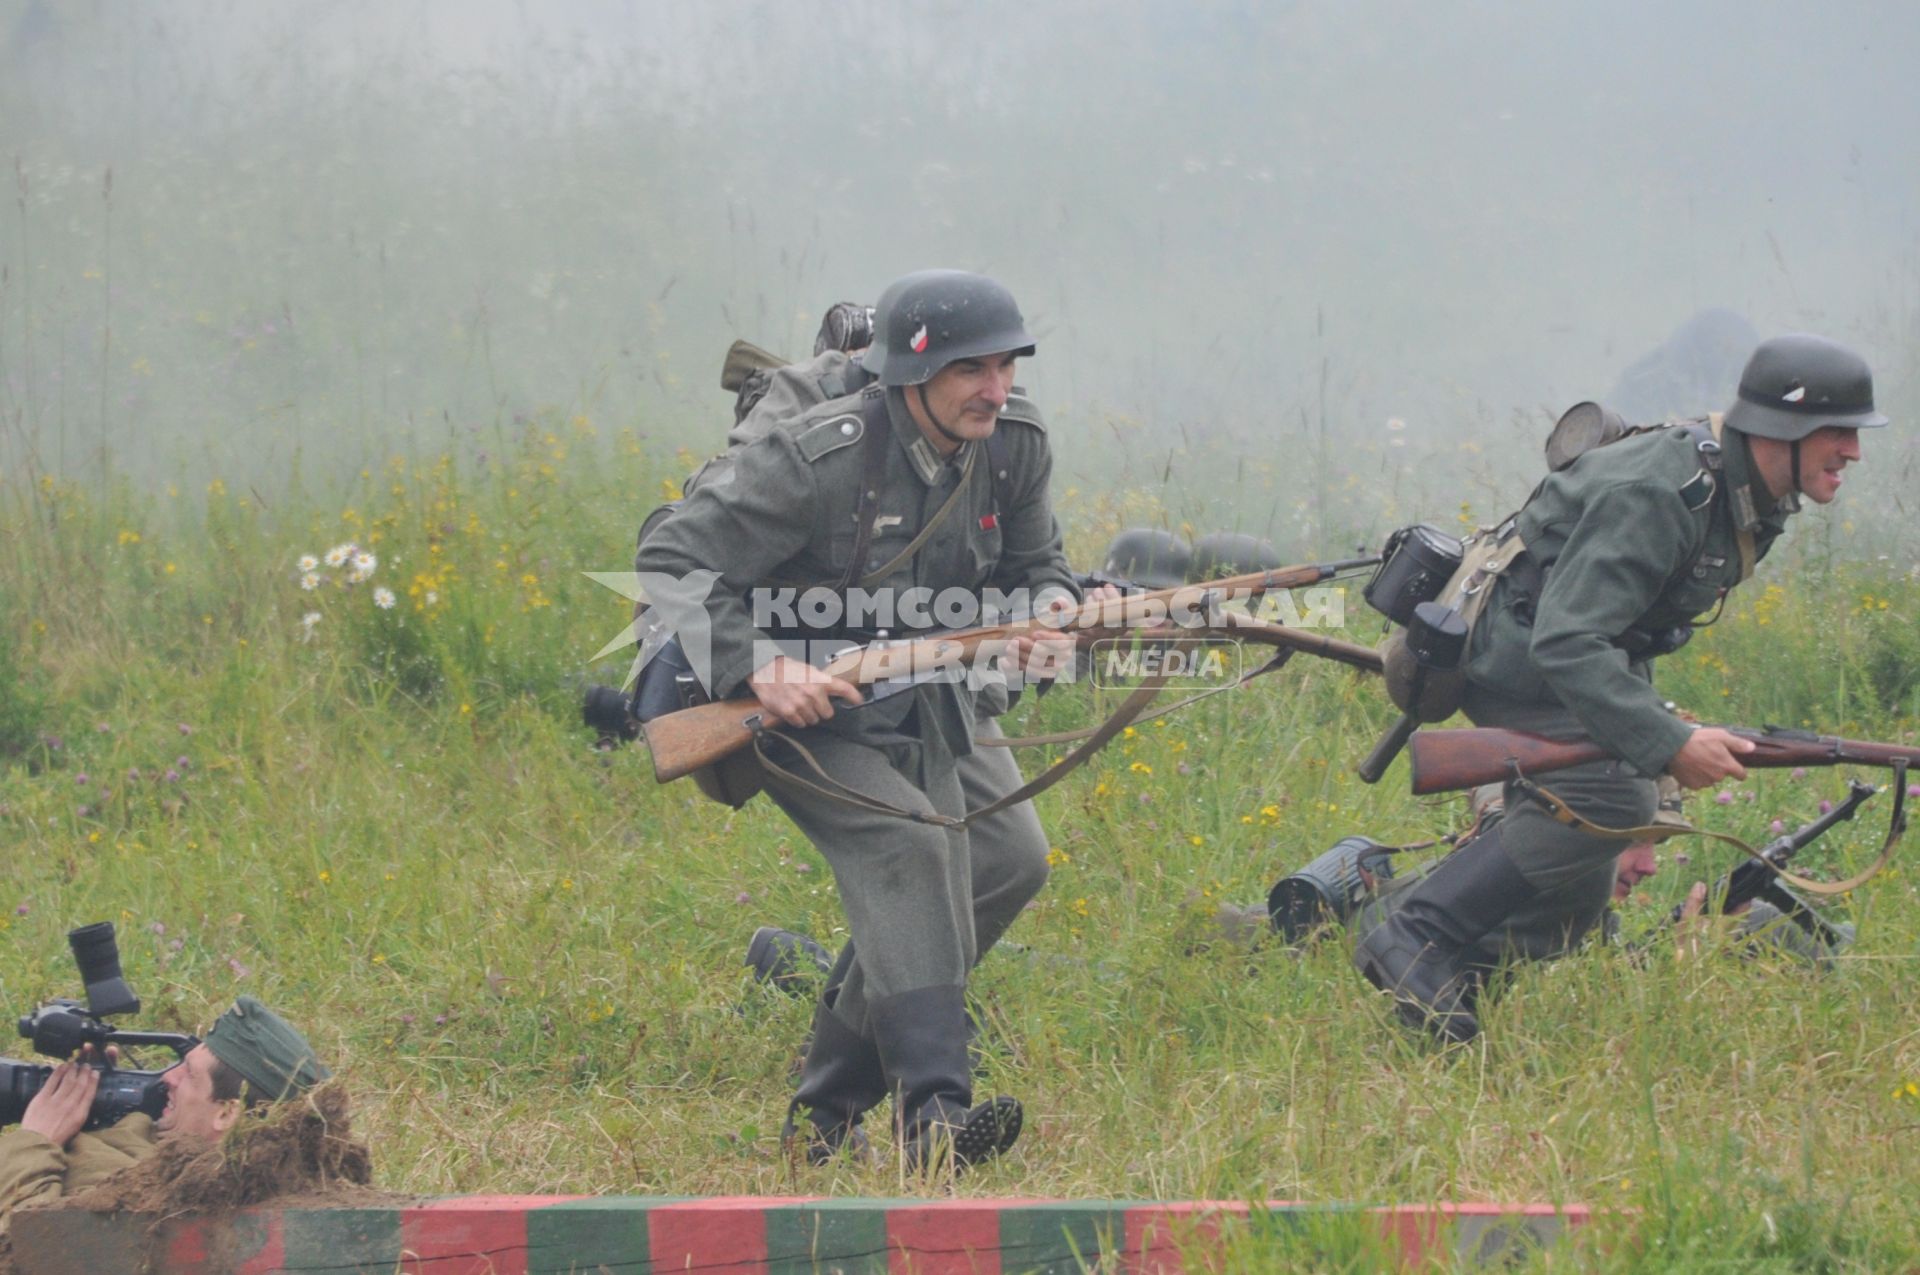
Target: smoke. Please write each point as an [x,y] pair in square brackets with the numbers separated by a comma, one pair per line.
[1241,231]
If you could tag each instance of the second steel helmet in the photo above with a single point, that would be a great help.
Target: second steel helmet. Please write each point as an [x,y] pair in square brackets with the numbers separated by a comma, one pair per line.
[928,319]
[1232,553]
[1796,384]
[1148,557]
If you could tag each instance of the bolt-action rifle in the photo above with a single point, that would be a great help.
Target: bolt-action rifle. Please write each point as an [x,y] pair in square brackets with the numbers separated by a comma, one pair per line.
[1448,760]
[685,741]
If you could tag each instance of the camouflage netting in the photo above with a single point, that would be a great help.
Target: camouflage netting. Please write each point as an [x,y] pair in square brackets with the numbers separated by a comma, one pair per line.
[303,1150]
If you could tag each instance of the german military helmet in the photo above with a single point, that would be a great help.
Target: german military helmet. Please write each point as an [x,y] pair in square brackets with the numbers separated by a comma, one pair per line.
[1796,384]
[930,318]
[1148,557]
[1231,553]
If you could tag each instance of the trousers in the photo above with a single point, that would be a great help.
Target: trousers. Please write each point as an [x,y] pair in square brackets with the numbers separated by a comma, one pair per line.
[923,903]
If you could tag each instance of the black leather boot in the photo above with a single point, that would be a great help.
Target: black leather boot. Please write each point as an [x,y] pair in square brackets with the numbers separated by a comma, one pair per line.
[923,1038]
[1420,953]
[782,957]
[840,1081]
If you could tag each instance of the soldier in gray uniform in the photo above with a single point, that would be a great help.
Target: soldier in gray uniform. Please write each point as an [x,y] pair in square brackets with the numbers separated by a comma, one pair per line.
[913,457]
[1624,548]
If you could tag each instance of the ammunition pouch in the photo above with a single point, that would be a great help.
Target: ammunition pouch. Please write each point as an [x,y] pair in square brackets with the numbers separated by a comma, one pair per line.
[1486,557]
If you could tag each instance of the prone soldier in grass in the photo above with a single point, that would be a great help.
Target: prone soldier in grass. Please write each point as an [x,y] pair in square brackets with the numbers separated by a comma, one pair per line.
[1624,548]
[924,480]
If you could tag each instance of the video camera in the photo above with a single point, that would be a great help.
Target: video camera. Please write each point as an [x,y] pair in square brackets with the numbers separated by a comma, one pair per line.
[59,1028]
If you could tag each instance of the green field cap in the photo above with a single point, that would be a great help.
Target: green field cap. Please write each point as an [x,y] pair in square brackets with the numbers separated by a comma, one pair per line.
[270,1056]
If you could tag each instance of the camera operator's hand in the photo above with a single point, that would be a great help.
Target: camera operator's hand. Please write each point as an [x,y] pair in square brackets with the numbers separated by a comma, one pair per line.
[60,1109]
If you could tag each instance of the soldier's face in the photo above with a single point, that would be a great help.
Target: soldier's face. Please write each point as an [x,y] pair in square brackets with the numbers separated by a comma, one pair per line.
[1823,454]
[966,396]
[1635,864]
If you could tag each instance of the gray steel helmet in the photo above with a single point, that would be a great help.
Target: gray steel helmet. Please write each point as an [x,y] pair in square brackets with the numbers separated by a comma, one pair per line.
[1149,558]
[928,319]
[1231,553]
[1795,384]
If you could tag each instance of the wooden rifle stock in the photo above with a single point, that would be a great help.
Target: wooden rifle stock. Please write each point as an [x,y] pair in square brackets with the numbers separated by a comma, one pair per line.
[1449,760]
[684,741]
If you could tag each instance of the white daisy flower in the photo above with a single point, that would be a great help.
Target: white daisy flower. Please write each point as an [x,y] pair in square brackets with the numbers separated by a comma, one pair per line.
[308,564]
[383,598]
[356,576]
[433,599]
[364,563]
[309,582]
[338,554]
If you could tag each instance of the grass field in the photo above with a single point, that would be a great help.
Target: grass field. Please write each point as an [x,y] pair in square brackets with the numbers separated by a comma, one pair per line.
[525,956]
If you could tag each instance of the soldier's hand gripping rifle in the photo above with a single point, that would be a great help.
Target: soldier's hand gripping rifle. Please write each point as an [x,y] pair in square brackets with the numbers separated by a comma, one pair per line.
[685,741]
[1759,877]
[1449,760]
[1445,760]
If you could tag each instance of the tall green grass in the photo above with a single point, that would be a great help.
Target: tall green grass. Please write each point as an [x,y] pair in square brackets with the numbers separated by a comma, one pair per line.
[524,955]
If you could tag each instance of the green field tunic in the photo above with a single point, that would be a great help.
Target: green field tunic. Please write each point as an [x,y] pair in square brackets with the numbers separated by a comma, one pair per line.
[1632,539]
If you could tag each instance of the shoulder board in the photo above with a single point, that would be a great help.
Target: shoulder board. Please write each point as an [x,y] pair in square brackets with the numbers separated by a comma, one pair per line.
[1023,409]
[829,435]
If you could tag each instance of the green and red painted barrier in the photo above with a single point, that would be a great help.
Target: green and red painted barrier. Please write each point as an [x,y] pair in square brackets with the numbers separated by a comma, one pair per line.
[745,1235]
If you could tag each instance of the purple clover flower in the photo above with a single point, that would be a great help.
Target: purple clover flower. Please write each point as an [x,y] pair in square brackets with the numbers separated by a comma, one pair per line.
[1723,797]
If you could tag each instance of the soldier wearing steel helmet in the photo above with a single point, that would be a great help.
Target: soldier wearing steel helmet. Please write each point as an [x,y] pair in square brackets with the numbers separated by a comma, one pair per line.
[957,498]
[1625,548]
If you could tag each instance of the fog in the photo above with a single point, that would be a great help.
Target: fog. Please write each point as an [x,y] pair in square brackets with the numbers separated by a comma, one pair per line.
[1370,247]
